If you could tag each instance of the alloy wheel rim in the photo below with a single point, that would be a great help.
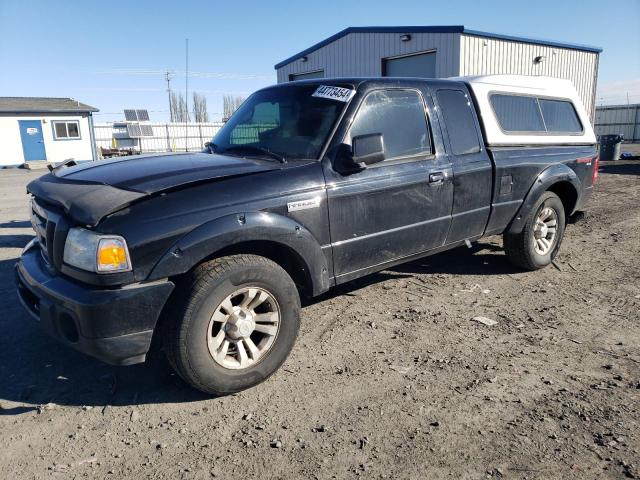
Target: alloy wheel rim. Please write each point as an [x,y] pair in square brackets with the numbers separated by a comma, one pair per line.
[243,328]
[545,231]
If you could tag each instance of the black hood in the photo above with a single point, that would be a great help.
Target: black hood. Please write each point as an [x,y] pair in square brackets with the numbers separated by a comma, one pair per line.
[154,173]
[90,191]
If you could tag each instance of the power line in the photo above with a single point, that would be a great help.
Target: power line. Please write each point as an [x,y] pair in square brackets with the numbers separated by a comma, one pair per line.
[152,72]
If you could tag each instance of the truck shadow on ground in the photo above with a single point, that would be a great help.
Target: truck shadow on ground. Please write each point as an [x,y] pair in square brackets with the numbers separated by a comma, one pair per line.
[481,259]
[36,369]
[16,224]
[14,241]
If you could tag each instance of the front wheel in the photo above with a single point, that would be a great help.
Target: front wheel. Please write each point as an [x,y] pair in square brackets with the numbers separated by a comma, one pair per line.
[539,241]
[234,322]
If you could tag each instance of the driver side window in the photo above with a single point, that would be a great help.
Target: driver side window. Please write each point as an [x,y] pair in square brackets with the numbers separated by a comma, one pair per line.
[400,117]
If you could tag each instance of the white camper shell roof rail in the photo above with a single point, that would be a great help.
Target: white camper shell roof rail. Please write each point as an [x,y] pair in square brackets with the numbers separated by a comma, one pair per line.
[544,88]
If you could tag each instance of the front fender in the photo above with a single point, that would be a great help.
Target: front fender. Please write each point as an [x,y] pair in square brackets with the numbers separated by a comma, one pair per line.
[553,174]
[231,230]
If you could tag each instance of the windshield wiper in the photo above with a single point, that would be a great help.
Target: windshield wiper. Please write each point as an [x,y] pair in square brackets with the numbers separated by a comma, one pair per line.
[256,149]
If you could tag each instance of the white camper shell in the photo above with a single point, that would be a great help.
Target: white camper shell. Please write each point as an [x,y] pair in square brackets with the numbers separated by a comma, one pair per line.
[530,110]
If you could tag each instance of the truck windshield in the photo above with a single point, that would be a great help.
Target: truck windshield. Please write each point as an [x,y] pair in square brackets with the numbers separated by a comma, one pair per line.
[289,123]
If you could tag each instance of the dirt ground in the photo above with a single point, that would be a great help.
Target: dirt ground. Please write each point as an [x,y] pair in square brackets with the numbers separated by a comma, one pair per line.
[390,377]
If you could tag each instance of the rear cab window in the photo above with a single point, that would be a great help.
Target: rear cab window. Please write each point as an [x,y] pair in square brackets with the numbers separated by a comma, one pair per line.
[459,120]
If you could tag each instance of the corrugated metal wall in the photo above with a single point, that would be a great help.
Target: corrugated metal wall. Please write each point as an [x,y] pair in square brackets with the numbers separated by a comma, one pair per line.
[481,56]
[361,54]
[619,119]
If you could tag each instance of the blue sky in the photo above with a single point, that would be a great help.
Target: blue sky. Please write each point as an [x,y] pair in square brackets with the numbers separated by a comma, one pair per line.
[112,54]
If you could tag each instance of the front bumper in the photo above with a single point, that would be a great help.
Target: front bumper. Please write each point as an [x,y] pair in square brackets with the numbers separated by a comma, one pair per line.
[113,325]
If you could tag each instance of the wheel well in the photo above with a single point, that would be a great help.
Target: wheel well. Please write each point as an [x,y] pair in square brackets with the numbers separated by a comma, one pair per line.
[568,195]
[286,257]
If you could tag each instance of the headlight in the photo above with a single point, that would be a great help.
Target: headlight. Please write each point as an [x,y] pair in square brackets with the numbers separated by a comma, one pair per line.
[90,251]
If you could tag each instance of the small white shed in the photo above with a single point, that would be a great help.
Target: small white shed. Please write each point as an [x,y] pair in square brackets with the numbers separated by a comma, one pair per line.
[37,129]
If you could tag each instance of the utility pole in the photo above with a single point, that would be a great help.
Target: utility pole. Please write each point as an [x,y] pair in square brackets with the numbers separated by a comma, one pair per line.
[167,77]
[186,97]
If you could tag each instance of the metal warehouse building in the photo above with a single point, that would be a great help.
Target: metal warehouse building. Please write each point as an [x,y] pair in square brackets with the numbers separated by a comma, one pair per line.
[619,120]
[439,52]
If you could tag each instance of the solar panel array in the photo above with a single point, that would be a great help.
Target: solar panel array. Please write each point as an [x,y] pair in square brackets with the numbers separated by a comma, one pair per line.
[135,129]
[131,115]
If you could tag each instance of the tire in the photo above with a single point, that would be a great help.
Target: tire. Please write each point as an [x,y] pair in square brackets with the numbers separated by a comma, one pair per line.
[196,320]
[523,249]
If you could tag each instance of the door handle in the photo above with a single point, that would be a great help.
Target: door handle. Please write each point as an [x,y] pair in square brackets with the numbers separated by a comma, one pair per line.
[437,177]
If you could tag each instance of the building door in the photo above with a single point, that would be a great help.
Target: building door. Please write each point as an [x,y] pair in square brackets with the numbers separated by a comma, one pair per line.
[422,65]
[32,140]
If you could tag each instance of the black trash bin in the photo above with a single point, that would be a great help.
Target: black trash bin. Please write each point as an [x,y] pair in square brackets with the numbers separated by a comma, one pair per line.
[610,147]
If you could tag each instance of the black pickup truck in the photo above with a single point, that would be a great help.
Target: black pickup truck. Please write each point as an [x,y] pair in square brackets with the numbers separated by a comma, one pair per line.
[309,185]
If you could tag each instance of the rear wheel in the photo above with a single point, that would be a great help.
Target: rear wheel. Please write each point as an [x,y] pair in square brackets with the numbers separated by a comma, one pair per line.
[233,324]
[539,241]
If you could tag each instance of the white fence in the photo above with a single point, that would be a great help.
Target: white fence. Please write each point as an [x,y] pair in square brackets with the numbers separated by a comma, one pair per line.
[619,119]
[167,137]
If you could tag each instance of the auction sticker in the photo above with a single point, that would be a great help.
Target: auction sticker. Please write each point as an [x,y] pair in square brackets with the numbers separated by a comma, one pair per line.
[334,93]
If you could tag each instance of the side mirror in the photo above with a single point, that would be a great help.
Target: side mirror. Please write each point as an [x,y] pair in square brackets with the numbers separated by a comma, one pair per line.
[367,149]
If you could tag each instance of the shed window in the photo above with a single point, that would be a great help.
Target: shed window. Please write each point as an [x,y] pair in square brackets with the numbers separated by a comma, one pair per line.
[519,113]
[66,130]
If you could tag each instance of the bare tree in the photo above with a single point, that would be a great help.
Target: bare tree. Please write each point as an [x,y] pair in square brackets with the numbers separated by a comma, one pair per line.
[178,108]
[200,113]
[230,104]
[174,105]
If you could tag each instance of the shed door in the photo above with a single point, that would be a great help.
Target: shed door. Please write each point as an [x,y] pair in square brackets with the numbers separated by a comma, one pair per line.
[32,140]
